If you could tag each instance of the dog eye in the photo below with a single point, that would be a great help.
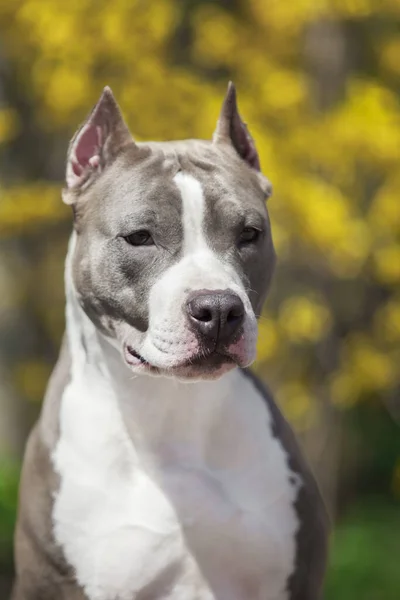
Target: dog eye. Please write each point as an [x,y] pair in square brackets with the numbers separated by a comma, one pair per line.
[139,238]
[249,235]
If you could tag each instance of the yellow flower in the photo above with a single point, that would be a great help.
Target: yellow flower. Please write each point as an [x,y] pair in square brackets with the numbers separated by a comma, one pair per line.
[356,8]
[390,55]
[25,207]
[304,319]
[215,35]
[372,369]
[9,124]
[384,214]
[296,402]
[387,321]
[387,264]
[344,389]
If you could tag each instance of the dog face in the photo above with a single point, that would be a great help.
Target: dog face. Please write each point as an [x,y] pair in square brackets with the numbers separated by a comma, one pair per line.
[173,253]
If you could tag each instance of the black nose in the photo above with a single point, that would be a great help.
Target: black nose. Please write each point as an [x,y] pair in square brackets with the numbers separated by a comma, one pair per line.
[216,315]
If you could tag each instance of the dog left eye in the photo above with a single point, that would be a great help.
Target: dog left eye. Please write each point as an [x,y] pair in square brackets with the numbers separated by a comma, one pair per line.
[139,238]
[249,235]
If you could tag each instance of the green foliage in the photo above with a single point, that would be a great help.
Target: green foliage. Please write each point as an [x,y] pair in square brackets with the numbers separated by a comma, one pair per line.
[365,551]
[9,478]
[375,435]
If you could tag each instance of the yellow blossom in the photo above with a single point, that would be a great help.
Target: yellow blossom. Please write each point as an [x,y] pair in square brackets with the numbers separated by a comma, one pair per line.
[304,319]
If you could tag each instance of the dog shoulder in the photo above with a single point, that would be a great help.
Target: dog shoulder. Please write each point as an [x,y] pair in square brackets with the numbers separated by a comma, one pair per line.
[313,534]
[35,550]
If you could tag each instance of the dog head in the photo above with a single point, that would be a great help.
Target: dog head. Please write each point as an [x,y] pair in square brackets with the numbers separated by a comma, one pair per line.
[173,254]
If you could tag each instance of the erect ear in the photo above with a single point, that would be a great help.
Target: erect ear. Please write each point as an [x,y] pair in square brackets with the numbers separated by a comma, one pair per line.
[95,145]
[232,130]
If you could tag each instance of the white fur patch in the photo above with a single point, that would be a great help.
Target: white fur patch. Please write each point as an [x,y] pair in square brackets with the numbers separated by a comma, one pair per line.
[168,490]
[193,208]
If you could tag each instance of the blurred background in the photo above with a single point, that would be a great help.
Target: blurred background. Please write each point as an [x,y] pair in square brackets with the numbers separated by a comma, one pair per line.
[319,85]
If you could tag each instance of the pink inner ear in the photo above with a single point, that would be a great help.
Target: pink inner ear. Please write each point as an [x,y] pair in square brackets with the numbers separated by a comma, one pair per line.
[87,147]
[245,144]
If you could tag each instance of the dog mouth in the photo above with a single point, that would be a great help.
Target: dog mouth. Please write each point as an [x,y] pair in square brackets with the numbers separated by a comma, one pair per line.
[200,362]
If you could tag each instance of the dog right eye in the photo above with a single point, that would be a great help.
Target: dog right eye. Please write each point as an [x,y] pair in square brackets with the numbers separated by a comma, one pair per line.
[139,238]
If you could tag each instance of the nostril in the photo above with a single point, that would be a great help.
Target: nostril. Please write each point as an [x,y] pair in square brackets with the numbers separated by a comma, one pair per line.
[200,311]
[234,314]
[204,315]
[231,318]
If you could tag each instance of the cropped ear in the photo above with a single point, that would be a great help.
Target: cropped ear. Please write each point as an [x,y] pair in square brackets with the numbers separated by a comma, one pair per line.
[95,145]
[231,129]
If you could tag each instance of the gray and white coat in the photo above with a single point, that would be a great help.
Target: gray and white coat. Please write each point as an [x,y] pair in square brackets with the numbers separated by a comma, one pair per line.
[160,468]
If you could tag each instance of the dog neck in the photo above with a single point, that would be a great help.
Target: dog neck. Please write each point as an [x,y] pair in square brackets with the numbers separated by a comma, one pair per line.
[159,413]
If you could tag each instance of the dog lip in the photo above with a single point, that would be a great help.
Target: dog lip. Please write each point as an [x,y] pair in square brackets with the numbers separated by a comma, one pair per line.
[200,365]
[204,360]
[134,359]
[135,354]
[139,360]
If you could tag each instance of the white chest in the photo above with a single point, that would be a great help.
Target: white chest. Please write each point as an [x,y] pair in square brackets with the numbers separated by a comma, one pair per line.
[204,511]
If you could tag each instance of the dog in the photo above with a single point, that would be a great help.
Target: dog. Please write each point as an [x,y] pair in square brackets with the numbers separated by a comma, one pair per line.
[160,468]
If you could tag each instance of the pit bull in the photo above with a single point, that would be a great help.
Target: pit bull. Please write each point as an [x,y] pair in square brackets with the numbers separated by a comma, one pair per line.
[160,469]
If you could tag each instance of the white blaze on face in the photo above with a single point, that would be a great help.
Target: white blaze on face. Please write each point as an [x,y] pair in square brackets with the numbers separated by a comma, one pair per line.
[170,341]
[200,267]
[193,209]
